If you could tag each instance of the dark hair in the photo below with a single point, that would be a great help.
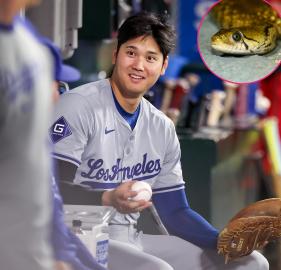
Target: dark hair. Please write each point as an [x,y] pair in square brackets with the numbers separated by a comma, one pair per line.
[148,24]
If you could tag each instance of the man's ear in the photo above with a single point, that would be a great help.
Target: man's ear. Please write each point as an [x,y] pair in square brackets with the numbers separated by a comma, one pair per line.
[165,65]
[114,55]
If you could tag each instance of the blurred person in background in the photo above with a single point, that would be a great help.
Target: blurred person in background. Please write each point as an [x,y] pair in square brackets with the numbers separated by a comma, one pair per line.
[25,101]
[69,251]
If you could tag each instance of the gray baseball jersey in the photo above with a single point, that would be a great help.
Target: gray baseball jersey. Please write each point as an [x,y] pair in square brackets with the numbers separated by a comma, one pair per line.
[90,132]
[25,91]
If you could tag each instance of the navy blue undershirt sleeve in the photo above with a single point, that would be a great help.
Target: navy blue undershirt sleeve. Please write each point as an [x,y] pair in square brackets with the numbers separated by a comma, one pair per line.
[180,220]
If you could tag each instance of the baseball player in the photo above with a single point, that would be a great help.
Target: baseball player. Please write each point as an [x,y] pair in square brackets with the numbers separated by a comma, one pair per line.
[25,82]
[69,251]
[107,136]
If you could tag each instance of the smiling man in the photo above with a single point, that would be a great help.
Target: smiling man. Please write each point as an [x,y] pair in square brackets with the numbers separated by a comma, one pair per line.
[109,136]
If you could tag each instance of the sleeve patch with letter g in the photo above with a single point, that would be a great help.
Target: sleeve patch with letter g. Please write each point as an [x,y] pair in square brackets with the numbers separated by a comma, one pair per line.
[59,130]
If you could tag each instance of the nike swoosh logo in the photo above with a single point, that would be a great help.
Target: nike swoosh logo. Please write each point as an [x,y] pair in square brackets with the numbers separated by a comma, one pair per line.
[108,130]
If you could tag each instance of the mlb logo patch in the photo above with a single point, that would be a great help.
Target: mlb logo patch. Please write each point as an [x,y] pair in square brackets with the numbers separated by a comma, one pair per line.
[59,130]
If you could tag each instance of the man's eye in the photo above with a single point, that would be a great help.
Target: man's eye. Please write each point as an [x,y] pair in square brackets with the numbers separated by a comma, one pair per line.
[151,58]
[130,53]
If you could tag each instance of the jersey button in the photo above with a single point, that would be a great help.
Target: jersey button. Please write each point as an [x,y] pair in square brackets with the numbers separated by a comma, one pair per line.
[132,138]
[127,151]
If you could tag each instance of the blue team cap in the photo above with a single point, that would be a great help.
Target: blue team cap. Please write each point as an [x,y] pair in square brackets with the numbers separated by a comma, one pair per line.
[62,72]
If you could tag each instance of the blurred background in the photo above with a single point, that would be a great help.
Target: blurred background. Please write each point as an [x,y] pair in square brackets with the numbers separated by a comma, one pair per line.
[229,133]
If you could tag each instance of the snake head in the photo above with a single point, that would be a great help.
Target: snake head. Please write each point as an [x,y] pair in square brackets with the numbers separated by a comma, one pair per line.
[245,40]
[229,41]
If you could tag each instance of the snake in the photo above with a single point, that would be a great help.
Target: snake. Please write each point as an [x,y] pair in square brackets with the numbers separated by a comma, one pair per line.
[247,27]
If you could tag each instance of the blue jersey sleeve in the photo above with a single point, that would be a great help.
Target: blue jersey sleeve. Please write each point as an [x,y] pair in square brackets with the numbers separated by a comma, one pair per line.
[67,247]
[180,220]
[64,250]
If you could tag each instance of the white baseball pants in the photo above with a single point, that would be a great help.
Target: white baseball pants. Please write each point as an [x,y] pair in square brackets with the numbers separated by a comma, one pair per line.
[130,250]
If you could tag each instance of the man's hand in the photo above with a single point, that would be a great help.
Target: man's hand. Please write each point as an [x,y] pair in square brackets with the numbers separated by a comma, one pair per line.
[120,199]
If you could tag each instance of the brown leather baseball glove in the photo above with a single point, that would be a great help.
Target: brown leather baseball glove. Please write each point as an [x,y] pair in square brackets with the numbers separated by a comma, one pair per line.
[250,229]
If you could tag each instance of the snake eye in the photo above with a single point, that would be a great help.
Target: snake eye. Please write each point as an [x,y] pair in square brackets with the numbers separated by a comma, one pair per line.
[236,36]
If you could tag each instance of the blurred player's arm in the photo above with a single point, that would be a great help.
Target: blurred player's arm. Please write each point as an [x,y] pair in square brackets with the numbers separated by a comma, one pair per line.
[69,252]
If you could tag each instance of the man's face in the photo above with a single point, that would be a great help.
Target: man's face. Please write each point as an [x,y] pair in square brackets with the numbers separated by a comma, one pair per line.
[138,65]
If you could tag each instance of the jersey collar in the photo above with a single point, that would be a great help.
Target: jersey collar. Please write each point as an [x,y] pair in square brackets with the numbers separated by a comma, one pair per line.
[110,96]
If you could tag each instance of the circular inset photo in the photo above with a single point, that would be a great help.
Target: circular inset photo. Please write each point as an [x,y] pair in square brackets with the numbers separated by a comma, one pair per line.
[239,40]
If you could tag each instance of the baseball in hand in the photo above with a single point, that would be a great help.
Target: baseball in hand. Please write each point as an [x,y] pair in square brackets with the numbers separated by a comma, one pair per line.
[143,189]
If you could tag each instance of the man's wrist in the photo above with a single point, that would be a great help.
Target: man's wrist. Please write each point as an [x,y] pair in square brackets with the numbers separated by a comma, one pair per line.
[106,198]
